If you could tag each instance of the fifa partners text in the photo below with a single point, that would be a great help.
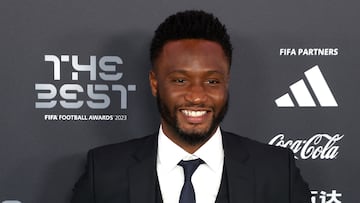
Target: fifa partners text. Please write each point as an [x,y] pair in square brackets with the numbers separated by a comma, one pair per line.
[96,94]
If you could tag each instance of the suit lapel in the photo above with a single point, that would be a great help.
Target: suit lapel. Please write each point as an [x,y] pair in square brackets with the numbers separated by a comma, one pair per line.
[143,182]
[240,174]
[142,175]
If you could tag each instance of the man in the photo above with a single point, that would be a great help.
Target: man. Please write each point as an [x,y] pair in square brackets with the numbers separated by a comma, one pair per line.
[191,57]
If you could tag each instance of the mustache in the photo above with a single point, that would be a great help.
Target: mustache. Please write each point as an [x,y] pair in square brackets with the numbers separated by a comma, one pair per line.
[189,105]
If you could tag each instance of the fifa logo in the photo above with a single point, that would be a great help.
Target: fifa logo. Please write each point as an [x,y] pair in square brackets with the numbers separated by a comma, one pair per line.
[72,95]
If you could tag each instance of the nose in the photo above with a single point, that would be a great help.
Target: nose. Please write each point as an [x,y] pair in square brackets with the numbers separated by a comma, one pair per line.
[196,94]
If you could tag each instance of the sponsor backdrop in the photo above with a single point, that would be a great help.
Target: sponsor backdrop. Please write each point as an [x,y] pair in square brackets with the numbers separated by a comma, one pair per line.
[74,76]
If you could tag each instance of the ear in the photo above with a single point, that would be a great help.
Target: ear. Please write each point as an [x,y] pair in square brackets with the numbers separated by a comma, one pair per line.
[153,83]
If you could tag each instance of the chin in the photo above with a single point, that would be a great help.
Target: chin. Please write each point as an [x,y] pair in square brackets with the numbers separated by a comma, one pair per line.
[194,137]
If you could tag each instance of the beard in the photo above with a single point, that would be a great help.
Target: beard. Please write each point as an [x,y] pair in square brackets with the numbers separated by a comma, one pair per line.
[193,137]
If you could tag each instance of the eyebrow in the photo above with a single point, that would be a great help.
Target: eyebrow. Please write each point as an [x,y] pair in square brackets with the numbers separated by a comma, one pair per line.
[208,72]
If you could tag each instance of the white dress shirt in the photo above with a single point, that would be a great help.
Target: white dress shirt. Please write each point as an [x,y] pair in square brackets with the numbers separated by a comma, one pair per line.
[207,177]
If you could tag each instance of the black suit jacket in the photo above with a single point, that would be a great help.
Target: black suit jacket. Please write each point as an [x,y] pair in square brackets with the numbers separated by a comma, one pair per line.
[126,172]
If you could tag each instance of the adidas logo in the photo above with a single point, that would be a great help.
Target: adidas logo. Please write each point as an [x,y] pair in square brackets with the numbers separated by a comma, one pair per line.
[302,95]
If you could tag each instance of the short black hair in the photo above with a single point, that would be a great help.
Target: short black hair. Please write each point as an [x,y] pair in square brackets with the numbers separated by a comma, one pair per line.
[191,24]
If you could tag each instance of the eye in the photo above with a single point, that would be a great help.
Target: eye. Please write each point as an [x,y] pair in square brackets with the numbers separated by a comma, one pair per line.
[179,81]
[212,81]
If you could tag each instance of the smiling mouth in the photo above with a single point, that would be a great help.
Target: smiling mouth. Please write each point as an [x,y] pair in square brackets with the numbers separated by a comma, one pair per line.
[191,113]
[195,116]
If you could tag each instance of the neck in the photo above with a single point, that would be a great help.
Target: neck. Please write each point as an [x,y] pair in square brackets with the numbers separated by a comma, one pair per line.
[187,147]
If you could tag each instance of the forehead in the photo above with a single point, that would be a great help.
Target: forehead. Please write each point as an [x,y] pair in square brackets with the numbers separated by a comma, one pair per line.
[192,44]
[190,52]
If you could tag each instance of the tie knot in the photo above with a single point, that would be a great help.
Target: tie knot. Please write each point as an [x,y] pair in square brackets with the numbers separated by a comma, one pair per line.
[190,167]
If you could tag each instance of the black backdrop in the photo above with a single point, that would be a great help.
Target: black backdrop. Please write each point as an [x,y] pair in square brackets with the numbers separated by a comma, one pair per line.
[61,94]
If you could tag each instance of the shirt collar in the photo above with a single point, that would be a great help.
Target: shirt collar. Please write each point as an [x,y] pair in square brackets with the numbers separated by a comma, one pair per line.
[212,152]
[170,154]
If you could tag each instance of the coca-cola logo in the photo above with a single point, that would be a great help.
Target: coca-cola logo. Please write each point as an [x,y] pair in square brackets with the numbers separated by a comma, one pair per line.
[319,146]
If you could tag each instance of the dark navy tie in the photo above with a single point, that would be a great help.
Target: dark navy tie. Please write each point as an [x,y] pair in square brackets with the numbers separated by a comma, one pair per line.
[187,194]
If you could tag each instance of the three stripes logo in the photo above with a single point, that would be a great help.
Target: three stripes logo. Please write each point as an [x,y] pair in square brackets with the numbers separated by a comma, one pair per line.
[302,95]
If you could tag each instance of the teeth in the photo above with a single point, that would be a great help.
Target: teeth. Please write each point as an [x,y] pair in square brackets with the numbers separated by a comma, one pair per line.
[194,113]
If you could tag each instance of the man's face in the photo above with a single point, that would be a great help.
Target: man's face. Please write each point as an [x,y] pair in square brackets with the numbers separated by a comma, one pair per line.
[190,83]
